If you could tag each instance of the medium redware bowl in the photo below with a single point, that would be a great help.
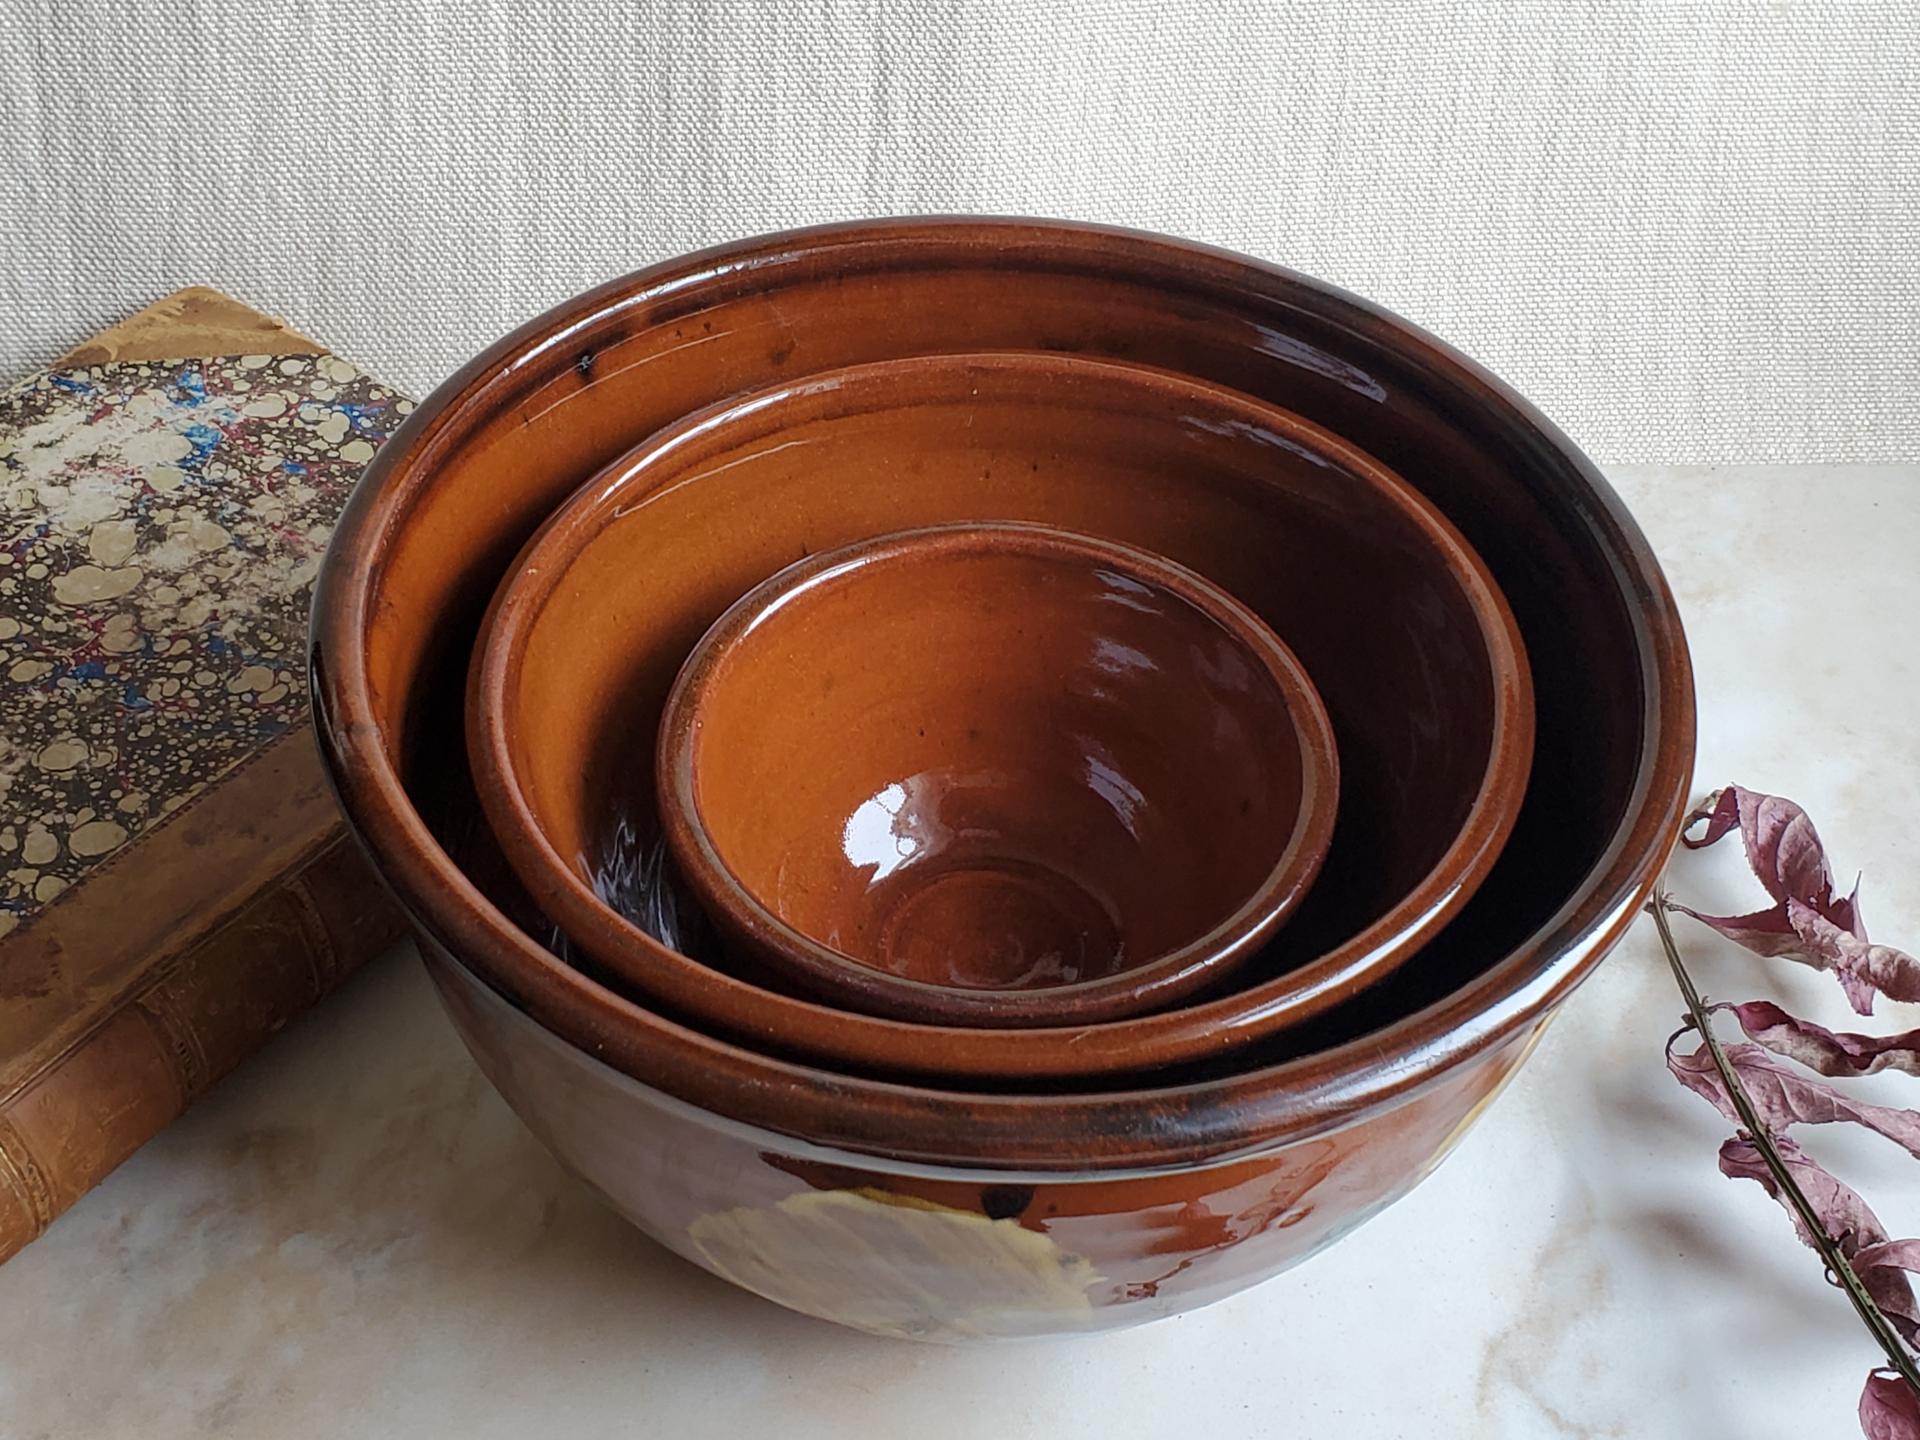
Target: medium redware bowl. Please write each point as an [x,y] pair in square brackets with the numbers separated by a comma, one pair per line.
[999,1212]
[1409,642]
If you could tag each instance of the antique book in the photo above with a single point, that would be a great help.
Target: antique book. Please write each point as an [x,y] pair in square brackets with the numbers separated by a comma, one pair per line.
[175,883]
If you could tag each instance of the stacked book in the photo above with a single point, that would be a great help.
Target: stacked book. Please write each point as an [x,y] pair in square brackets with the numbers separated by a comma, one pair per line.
[174,883]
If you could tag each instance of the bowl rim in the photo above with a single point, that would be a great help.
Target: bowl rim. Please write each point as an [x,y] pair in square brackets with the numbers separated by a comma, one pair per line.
[1226,944]
[1145,1128]
[680,451]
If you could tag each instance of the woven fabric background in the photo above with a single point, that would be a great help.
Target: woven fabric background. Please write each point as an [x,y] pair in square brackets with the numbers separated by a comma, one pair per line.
[1689,229]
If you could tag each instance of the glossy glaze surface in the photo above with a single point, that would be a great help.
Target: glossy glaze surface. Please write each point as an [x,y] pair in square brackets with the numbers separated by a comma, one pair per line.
[451,499]
[1409,644]
[989,774]
[937,1253]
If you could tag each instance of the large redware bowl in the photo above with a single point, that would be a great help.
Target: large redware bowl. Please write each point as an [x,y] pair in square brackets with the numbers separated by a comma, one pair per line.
[921,1211]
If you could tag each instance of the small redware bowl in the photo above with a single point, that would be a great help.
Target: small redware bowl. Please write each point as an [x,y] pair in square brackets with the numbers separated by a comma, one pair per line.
[1409,643]
[993,774]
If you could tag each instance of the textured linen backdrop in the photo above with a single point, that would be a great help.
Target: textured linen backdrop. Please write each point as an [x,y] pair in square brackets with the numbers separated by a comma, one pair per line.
[1689,231]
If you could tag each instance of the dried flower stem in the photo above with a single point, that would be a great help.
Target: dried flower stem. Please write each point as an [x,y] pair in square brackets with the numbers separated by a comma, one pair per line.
[1825,1244]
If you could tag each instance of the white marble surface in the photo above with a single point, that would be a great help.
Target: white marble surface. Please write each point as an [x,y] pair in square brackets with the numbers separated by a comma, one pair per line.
[353,1236]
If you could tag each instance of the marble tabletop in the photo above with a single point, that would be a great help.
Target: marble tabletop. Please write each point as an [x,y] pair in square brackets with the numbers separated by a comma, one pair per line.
[352,1235]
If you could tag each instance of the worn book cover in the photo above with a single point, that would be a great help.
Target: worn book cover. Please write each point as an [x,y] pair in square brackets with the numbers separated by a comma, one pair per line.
[174,881]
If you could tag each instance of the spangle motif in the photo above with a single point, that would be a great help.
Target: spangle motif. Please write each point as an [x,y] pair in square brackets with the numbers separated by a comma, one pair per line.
[899,1266]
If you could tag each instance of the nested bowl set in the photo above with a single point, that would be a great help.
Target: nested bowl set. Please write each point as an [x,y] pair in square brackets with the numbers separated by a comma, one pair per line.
[996,778]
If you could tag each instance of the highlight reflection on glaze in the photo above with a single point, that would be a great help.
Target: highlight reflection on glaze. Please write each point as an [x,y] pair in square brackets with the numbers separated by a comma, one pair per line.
[933,867]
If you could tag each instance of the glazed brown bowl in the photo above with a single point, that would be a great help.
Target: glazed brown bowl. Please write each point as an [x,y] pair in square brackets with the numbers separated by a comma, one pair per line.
[1108,1206]
[969,774]
[1411,647]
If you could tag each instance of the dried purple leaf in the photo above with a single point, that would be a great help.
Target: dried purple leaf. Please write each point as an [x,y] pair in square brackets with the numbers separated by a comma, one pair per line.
[1822,1050]
[1781,844]
[1765,932]
[1807,922]
[1844,1216]
[1863,969]
[1883,1270]
[1783,1097]
[1902,1253]
[1889,1408]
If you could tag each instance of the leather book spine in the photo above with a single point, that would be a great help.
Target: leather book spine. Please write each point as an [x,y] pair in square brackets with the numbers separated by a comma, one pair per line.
[193,1017]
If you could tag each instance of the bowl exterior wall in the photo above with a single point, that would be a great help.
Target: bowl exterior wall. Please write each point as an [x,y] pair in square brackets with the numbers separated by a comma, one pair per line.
[954,1255]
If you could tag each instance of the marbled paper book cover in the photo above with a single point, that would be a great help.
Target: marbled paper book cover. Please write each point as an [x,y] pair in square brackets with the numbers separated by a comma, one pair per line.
[174,883]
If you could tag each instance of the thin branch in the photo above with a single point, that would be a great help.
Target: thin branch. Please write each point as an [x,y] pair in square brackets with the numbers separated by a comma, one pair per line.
[1762,1139]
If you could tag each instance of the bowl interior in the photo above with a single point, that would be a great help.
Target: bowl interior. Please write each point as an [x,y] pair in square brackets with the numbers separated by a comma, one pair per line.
[989,757]
[1372,597]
